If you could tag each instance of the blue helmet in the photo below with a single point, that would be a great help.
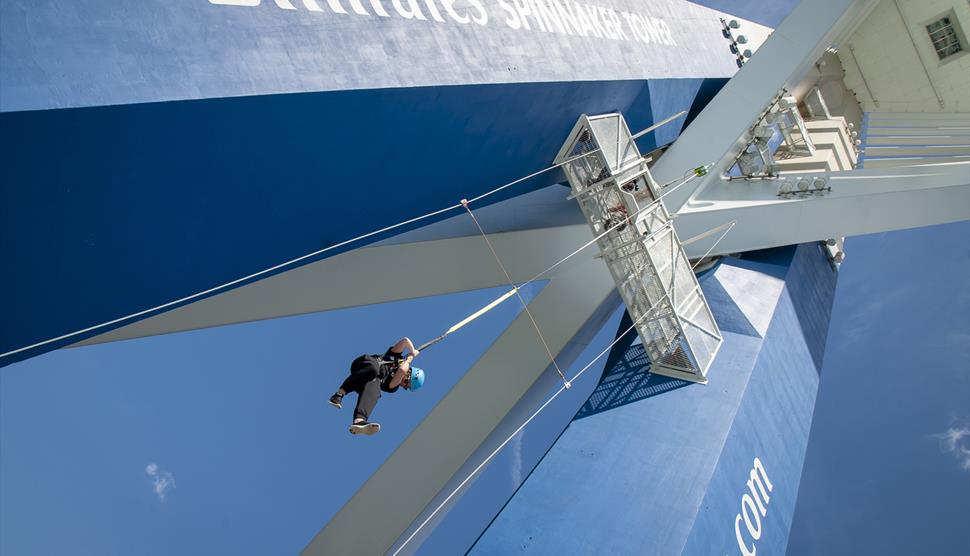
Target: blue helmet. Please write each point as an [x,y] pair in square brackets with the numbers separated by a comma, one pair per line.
[417,379]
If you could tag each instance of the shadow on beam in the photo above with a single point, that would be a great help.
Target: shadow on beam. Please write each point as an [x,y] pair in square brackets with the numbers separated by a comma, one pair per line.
[627,378]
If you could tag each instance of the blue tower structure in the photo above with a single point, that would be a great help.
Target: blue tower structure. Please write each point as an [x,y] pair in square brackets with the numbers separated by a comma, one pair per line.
[230,165]
[654,465]
[196,144]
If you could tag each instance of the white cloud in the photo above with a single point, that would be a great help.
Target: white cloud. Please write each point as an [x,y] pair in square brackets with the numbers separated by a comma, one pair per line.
[956,440]
[864,316]
[161,480]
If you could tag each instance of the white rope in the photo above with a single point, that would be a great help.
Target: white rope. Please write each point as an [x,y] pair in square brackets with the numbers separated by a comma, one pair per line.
[621,222]
[515,289]
[518,430]
[233,282]
[658,124]
[729,228]
[566,385]
[287,263]
[310,255]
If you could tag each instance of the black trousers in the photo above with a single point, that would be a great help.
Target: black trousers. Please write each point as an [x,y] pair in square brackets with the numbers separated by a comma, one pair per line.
[365,380]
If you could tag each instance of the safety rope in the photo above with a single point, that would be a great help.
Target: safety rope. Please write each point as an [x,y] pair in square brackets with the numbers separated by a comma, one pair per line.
[464,203]
[288,263]
[567,383]
[730,226]
[514,290]
[291,262]
[522,426]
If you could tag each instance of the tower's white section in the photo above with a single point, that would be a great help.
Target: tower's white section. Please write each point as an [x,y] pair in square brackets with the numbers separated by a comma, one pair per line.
[892,66]
[720,131]
[860,201]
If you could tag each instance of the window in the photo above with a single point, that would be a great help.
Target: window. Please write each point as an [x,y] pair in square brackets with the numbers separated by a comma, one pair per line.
[944,37]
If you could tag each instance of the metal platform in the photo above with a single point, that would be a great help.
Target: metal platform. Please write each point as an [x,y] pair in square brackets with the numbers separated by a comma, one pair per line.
[623,205]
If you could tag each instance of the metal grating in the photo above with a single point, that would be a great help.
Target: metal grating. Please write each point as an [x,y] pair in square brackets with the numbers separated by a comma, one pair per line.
[610,180]
[944,38]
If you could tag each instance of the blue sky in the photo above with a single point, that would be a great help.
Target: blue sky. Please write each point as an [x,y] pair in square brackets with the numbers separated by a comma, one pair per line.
[219,440]
[212,441]
[888,463]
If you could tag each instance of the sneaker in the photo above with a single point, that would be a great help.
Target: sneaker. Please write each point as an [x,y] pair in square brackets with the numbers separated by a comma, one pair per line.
[364,428]
[335,400]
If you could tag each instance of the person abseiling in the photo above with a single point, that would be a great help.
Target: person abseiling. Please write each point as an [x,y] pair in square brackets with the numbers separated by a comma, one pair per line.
[369,374]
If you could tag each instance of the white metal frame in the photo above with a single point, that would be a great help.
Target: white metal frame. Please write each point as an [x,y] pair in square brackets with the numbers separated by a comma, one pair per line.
[621,201]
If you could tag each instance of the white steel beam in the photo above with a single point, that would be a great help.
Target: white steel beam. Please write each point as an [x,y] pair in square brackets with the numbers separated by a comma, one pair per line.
[861,202]
[348,280]
[464,419]
[460,423]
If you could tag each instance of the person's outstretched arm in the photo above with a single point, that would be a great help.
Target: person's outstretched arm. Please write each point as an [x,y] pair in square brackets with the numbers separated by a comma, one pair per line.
[405,343]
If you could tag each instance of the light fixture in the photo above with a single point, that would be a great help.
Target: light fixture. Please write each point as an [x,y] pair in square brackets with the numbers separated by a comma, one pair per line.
[819,184]
[787,186]
[747,53]
[803,184]
[742,39]
[733,24]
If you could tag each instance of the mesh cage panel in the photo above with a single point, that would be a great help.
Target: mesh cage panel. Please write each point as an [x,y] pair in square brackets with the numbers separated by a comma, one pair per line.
[684,283]
[615,192]
[678,358]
